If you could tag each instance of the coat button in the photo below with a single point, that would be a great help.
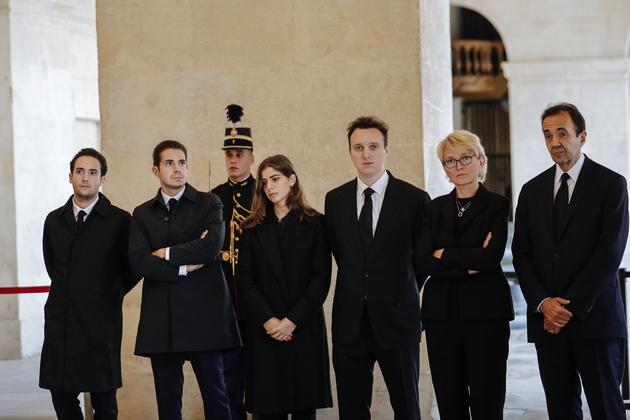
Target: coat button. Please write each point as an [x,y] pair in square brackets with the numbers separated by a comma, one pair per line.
[166,218]
[556,255]
[365,274]
[238,194]
[363,298]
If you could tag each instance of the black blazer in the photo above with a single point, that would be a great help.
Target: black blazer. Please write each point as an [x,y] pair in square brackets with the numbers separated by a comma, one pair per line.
[285,278]
[582,264]
[90,274]
[179,314]
[484,295]
[386,282]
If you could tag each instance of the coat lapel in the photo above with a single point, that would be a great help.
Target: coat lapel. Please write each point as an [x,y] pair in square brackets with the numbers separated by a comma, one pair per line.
[348,210]
[68,215]
[477,205]
[583,183]
[387,219]
[294,230]
[268,238]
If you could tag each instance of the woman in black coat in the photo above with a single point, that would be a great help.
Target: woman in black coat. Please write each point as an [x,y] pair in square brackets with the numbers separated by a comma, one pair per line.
[283,277]
[467,304]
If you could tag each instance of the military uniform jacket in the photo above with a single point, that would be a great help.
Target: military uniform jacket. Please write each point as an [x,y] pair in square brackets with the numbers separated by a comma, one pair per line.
[90,274]
[243,193]
[181,313]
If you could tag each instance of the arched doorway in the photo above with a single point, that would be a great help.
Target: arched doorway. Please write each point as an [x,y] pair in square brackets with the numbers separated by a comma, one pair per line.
[480,93]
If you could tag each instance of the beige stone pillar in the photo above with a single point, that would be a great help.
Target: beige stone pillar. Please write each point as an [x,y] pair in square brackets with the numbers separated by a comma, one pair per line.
[48,110]
[301,70]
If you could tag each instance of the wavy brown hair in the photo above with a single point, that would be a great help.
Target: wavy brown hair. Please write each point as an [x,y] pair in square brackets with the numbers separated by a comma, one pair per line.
[296,201]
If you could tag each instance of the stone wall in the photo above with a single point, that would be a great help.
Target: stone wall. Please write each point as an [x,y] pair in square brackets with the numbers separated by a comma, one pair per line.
[301,70]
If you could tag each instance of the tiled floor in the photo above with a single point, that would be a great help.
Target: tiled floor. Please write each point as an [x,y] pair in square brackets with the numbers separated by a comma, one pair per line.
[21,398]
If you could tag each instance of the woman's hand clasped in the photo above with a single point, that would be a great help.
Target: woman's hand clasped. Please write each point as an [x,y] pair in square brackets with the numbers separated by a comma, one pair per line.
[281,330]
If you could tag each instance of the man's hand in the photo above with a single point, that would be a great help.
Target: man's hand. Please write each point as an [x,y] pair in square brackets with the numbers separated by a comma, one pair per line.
[550,328]
[556,315]
[160,253]
[193,267]
[283,331]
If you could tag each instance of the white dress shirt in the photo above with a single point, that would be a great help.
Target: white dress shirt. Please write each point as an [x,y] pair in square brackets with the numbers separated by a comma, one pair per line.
[167,256]
[379,188]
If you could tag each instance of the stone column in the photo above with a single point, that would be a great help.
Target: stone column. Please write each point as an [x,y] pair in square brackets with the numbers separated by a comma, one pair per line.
[48,110]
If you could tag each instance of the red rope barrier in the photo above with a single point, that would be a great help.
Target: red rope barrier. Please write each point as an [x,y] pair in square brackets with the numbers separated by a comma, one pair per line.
[17,290]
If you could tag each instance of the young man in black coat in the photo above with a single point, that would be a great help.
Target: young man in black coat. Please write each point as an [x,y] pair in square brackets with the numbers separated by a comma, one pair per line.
[186,311]
[85,251]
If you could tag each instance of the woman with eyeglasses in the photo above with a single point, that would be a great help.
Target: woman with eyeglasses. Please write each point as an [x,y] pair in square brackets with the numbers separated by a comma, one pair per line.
[283,279]
[467,304]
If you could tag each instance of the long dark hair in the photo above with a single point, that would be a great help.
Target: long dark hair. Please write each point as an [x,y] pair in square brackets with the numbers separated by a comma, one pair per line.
[296,201]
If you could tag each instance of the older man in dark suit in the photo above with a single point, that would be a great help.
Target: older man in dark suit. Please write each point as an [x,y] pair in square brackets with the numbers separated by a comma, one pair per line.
[373,223]
[570,234]
[186,311]
[85,251]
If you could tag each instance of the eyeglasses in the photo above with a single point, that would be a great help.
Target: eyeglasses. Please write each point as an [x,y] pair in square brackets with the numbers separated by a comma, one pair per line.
[464,160]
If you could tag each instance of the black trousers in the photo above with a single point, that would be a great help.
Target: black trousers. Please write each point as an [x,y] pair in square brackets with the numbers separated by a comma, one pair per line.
[468,361]
[234,375]
[563,362]
[354,372]
[168,377]
[67,405]
[297,415]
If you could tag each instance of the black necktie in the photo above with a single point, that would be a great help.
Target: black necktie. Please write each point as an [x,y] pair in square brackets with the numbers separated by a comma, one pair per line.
[80,217]
[171,204]
[561,204]
[365,221]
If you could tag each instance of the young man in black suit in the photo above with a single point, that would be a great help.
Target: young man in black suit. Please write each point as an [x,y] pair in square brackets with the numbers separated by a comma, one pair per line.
[186,311]
[373,224]
[85,251]
[570,234]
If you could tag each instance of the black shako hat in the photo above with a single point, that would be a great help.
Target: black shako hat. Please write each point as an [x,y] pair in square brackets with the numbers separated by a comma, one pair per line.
[237,137]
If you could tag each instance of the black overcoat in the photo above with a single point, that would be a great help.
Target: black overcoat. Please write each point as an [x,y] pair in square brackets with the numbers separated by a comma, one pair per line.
[485,295]
[288,277]
[182,313]
[90,274]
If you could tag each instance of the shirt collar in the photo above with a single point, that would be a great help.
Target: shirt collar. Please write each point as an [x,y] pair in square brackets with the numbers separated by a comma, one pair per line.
[574,172]
[168,197]
[76,209]
[378,187]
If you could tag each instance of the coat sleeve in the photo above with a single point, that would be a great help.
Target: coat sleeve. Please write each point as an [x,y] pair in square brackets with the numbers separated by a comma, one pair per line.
[48,247]
[426,263]
[251,299]
[318,286]
[589,284]
[129,279]
[203,250]
[479,258]
[522,252]
[143,263]
[330,227]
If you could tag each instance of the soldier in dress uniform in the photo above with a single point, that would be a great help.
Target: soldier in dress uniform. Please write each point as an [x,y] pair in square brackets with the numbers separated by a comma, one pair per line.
[236,195]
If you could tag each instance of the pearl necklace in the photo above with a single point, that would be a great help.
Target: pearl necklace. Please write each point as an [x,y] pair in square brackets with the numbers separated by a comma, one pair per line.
[461,209]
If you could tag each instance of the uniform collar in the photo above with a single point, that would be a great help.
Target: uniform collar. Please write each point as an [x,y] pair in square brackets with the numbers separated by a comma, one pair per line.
[247,181]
